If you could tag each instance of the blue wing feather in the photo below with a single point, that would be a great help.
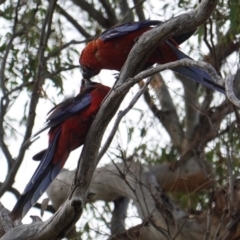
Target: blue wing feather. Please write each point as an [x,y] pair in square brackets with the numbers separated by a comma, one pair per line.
[126,28]
[40,181]
[44,164]
[65,110]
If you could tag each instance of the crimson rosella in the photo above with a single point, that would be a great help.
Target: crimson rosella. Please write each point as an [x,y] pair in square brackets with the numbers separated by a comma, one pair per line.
[111,48]
[69,123]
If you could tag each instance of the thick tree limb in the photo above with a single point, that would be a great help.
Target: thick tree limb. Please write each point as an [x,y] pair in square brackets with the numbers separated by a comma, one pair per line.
[191,106]
[189,177]
[137,182]
[155,208]
[167,115]
[118,215]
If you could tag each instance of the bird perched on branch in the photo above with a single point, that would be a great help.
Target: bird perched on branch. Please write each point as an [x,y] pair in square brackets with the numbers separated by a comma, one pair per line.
[69,123]
[111,48]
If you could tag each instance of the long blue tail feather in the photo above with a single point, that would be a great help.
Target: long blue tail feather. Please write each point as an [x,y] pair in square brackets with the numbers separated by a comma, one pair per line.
[194,73]
[45,173]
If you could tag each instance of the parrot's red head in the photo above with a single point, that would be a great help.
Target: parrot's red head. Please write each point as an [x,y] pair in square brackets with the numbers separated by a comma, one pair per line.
[89,62]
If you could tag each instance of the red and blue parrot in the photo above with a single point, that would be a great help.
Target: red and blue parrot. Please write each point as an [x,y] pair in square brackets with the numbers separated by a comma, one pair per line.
[111,48]
[69,123]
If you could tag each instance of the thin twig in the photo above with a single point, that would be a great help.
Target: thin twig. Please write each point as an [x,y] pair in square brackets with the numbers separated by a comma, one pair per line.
[209,215]
[216,235]
[60,69]
[58,50]
[230,176]
[20,87]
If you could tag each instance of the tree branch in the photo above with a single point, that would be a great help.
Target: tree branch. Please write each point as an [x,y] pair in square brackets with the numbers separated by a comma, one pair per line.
[229,88]
[167,115]
[73,22]
[131,180]
[126,12]
[191,106]
[5,221]
[96,15]
[118,215]
[59,70]
[139,9]
[110,11]
[57,51]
